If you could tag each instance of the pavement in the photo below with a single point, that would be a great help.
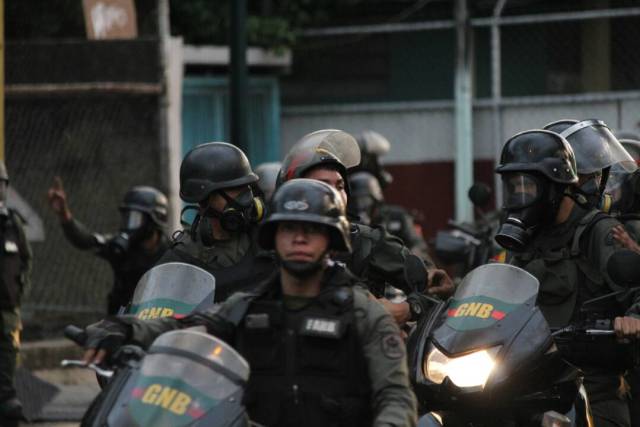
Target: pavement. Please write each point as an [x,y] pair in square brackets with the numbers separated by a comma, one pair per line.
[77,386]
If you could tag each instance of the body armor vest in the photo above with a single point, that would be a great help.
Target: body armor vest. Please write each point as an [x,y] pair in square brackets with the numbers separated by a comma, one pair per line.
[567,278]
[307,366]
[13,249]
[253,268]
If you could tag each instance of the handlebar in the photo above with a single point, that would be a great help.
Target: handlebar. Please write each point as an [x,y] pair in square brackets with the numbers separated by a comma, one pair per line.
[602,327]
[66,363]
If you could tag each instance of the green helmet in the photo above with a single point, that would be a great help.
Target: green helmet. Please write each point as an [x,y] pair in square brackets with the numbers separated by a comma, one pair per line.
[308,200]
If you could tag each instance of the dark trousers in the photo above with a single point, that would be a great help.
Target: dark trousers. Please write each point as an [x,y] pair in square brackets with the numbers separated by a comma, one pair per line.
[9,348]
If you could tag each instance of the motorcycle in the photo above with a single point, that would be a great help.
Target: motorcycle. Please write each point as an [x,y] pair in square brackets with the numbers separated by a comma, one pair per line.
[487,357]
[185,378]
[469,245]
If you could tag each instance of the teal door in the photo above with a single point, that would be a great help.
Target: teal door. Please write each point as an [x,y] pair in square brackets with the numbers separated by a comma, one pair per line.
[205,115]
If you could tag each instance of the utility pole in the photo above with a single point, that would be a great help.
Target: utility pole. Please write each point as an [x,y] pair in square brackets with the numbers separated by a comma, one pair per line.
[239,76]
[2,53]
[463,113]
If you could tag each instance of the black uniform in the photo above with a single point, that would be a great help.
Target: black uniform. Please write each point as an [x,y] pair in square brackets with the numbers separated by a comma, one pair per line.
[16,269]
[127,267]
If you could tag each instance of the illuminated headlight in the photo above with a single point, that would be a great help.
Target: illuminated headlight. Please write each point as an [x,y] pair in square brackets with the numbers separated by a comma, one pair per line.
[470,370]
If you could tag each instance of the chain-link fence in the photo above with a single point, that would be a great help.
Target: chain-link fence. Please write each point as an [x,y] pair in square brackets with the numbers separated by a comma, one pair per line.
[87,112]
[533,63]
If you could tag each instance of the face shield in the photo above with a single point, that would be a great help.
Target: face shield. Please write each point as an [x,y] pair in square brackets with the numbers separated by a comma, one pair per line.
[131,220]
[520,190]
[596,148]
[336,142]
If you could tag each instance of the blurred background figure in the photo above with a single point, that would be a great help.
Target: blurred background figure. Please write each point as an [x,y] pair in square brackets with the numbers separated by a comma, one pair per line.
[367,181]
[134,249]
[268,174]
[15,275]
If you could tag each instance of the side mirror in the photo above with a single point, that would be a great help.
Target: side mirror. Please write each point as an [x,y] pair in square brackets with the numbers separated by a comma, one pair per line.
[479,194]
[624,268]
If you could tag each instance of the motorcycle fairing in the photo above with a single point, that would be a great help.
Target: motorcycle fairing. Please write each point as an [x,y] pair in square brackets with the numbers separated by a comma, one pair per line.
[172,289]
[477,312]
[158,400]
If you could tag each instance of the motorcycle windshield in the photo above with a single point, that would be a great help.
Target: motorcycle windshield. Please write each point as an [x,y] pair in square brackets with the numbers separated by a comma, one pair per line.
[183,378]
[173,289]
[488,294]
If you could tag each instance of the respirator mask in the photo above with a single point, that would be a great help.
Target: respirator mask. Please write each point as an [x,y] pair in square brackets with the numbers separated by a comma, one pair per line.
[529,202]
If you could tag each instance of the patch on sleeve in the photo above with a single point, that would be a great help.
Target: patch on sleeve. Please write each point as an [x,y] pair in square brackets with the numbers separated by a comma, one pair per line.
[609,240]
[392,346]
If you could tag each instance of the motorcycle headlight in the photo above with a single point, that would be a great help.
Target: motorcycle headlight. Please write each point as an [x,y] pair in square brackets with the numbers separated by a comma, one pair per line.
[470,370]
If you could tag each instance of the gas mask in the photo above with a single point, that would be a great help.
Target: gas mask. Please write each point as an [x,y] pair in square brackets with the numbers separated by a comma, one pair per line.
[363,206]
[236,217]
[529,202]
[134,228]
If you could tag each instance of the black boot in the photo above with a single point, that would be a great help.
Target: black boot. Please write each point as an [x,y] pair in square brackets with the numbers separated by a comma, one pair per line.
[11,409]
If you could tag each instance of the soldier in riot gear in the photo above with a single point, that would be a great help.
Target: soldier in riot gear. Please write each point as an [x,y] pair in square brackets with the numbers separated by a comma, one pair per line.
[597,150]
[268,174]
[373,146]
[394,218]
[322,352]
[135,248]
[217,179]
[624,188]
[378,258]
[16,270]
[367,202]
[554,233]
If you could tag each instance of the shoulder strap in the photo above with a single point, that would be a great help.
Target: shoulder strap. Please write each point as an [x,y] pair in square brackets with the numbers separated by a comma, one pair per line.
[585,224]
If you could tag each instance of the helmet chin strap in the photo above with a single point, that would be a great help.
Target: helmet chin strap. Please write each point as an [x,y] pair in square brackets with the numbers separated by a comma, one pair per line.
[304,269]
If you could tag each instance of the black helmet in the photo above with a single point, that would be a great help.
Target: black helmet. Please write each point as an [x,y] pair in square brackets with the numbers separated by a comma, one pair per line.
[365,184]
[560,126]
[148,200]
[324,147]
[4,176]
[539,151]
[213,166]
[308,200]
[372,147]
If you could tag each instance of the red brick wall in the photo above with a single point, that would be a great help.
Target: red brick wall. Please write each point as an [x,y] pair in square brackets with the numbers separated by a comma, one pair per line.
[428,188]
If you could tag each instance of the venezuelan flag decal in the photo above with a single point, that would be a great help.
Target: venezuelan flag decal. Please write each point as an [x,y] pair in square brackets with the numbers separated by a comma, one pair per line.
[161,401]
[500,257]
[477,312]
[161,307]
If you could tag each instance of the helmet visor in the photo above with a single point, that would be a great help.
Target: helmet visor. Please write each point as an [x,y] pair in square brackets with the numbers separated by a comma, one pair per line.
[132,220]
[596,147]
[340,144]
[520,190]
[617,177]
